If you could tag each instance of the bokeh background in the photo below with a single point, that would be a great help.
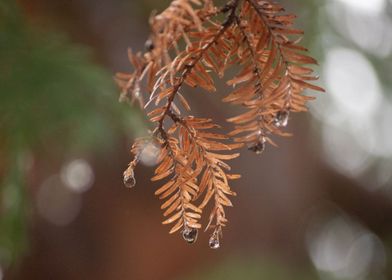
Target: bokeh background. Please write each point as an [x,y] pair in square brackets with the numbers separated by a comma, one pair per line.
[319,207]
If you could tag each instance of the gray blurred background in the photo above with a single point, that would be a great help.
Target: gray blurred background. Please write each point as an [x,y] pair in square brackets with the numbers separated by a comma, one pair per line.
[318,207]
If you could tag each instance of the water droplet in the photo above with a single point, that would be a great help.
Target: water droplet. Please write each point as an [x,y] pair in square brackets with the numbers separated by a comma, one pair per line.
[281,119]
[137,93]
[129,177]
[214,241]
[149,45]
[258,147]
[190,235]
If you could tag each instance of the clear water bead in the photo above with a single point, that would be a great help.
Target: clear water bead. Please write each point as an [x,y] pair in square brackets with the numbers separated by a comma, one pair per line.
[190,235]
[281,119]
[258,147]
[214,242]
[149,45]
[129,177]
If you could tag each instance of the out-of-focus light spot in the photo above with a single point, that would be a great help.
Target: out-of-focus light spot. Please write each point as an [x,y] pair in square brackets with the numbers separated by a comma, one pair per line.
[345,250]
[365,7]
[1,273]
[57,203]
[77,175]
[369,31]
[342,151]
[149,154]
[372,34]
[356,115]
[328,248]
[352,82]
[375,132]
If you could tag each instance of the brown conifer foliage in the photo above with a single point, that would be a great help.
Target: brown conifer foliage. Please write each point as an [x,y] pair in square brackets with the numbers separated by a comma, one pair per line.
[189,42]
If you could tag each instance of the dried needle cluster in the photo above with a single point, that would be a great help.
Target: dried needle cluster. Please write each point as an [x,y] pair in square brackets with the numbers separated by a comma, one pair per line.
[192,42]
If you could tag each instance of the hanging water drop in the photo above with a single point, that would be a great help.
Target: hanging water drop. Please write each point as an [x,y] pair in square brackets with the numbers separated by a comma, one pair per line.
[214,241]
[258,147]
[281,119]
[129,177]
[190,235]
[149,45]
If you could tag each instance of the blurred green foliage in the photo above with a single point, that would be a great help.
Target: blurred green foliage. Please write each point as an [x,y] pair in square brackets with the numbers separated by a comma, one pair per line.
[54,98]
[51,89]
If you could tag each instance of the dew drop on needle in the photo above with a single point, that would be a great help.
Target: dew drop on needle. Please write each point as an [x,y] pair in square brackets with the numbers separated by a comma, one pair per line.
[190,235]
[214,241]
[129,177]
[258,147]
[281,119]
[149,45]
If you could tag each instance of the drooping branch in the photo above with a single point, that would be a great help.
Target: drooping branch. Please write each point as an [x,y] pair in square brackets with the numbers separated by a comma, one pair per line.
[189,43]
[272,87]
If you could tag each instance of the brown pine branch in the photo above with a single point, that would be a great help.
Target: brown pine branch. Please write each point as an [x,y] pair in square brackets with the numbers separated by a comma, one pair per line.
[281,88]
[190,66]
[188,43]
[259,145]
